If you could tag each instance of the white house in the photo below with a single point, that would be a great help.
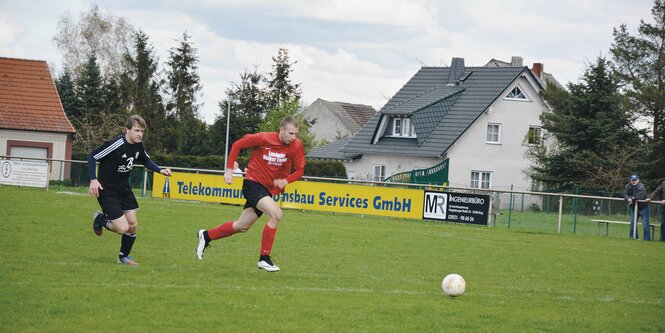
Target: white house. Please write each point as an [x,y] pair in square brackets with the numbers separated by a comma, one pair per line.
[480,119]
[33,123]
[336,120]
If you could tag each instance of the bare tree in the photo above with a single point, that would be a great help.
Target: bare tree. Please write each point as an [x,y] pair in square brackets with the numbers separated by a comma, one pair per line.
[103,34]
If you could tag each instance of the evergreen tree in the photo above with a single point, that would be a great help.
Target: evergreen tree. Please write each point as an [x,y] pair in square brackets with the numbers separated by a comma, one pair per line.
[95,122]
[65,85]
[89,90]
[595,145]
[184,88]
[141,85]
[639,60]
[248,106]
[280,88]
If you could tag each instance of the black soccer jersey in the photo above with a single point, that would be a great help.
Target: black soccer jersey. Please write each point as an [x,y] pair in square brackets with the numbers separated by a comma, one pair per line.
[116,159]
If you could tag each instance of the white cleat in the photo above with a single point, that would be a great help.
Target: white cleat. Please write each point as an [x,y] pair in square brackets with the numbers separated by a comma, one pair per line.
[267,265]
[202,245]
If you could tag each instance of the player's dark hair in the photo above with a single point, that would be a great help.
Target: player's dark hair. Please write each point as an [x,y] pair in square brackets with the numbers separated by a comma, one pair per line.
[135,120]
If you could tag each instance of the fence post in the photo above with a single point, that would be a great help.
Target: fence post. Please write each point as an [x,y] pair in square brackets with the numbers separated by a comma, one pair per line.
[510,206]
[577,192]
[145,181]
[558,228]
[634,226]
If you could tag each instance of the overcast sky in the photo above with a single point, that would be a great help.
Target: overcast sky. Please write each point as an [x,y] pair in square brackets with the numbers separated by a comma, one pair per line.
[346,50]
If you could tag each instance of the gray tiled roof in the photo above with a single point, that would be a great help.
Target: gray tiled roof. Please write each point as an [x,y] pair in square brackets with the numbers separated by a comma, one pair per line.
[440,113]
[332,151]
[353,115]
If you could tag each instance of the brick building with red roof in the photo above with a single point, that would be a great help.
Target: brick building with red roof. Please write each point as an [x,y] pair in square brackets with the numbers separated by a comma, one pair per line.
[33,123]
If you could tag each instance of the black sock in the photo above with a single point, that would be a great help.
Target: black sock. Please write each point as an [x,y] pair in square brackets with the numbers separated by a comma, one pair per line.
[206,237]
[126,244]
[107,221]
[266,258]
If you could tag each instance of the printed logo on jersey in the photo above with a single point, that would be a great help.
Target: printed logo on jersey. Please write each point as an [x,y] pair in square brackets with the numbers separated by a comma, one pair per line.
[274,158]
[128,167]
[136,156]
[124,155]
[166,191]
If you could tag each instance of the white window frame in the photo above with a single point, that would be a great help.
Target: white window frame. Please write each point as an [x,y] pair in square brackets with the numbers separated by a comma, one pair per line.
[397,126]
[403,128]
[481,179]
[498,134]
[539,130]
[522,96]
[381,172]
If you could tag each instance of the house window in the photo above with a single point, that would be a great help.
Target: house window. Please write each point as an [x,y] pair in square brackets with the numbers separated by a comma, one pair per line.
[481,179]
[397,127]
[493,133]
[379,172]
[535,135]
[516,93]
[403,127]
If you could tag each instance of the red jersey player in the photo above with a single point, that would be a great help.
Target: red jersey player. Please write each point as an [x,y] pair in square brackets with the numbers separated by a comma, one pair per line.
[274,155]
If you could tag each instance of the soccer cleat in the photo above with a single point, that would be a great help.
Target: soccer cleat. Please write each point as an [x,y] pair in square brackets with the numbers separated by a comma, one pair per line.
[129,261]
[202,245]
[266,264]
[98,222]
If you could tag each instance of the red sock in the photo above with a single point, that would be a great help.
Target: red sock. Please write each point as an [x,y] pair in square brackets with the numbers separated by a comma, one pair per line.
[222,231]
[267,240]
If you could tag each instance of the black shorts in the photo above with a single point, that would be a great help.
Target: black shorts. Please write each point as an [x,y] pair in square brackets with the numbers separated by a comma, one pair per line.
[253,192]
[115,199]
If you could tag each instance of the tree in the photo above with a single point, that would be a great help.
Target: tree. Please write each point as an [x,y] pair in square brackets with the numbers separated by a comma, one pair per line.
[89,90]
[639,61]
[95,122]
[183,88]
[595,144]
[105,35]
[280,90]
[141,88]
[66,89]
[183,79]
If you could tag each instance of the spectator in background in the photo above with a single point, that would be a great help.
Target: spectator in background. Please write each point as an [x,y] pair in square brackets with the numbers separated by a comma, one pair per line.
[659,194]
[634,191]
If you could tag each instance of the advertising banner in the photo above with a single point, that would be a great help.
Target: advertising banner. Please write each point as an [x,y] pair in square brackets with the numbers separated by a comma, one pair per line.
[456,207]
[343,198]
[24,173]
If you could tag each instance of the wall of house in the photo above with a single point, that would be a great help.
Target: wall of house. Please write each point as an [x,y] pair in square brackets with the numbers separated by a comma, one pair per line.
[57,143]
[328,126]
[505,161]
[363,168]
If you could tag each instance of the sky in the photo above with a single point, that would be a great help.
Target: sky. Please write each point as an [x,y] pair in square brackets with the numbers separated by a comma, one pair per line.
[351,51]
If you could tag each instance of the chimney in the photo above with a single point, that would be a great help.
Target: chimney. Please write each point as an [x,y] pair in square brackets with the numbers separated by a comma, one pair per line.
[537,70]
[516,61]
[456,71]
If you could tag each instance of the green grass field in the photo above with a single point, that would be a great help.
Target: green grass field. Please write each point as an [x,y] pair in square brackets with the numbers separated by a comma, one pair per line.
[340,273]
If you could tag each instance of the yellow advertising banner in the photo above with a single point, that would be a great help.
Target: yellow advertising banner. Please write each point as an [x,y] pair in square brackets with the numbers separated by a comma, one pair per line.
[329,197]
[197,187]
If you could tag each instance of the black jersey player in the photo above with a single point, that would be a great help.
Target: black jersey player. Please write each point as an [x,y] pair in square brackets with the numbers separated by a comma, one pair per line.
[110,184]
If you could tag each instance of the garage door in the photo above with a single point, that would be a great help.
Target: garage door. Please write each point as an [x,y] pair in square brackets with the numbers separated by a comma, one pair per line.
[28,152]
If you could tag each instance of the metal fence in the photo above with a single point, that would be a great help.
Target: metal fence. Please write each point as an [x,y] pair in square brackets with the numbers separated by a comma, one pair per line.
[524,211]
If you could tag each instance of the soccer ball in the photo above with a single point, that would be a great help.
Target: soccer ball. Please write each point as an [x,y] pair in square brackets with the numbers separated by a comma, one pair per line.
[453,285]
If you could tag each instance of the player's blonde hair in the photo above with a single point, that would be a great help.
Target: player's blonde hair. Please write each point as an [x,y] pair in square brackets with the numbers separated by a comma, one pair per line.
[288,120]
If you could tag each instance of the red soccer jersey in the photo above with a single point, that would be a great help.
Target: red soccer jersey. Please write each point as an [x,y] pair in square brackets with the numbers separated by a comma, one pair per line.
[271,159]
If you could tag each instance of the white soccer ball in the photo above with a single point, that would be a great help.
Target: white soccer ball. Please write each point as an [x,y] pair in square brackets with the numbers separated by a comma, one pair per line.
[453,285]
